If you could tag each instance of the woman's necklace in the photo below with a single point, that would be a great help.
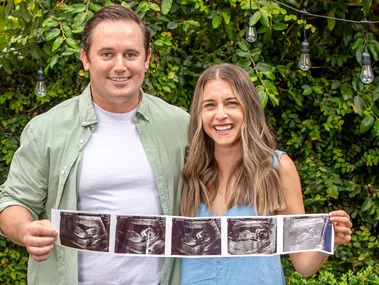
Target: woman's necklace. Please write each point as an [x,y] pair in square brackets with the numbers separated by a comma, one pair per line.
[221,190]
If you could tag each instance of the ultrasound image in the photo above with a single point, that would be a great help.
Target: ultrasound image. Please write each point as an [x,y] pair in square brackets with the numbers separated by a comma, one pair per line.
[196,237]
[251,236]
[140,235]
[85,231]
[304,233]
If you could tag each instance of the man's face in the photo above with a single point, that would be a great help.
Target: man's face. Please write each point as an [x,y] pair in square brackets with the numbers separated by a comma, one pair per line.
[117,63]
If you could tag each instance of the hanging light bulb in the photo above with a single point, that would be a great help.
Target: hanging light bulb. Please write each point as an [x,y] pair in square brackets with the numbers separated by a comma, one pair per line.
[251,32]
[305,59]
[41,89]
[367,76]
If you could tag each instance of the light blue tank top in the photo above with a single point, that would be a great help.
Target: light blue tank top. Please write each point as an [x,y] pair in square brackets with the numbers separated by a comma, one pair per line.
[265,270]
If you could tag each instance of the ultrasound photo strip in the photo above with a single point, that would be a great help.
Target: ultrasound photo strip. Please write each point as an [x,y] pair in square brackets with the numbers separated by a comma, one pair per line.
[172,236]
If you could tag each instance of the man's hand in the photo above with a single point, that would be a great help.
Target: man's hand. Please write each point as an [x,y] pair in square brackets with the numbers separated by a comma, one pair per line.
[39,239]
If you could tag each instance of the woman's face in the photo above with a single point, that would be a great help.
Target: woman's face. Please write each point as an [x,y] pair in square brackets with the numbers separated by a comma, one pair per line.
[221,114]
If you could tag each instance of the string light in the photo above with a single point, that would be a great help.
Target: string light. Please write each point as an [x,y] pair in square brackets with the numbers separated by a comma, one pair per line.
[40,88]
[251,33]
[366,76]
[305,59]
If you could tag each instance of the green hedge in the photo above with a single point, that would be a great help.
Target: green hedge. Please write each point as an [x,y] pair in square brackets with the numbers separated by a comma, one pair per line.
[326,119]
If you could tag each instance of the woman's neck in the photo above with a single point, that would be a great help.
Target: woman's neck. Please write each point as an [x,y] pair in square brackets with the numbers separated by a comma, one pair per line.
[226,159]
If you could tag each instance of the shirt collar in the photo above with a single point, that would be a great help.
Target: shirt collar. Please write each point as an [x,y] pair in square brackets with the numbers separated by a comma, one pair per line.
[87,113]
[143,108]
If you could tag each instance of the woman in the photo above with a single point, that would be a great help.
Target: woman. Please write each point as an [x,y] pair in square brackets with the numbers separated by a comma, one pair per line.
[232,169]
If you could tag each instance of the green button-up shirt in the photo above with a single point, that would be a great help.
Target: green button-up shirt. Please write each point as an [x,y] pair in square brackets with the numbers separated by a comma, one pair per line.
[45,170]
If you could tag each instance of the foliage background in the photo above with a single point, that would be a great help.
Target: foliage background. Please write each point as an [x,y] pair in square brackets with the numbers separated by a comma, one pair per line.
[326,119]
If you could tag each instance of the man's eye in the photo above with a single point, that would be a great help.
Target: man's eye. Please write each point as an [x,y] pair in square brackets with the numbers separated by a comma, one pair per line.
[130,55]
[106,54]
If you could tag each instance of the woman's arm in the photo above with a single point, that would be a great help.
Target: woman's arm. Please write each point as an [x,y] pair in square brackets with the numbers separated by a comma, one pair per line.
[307,263]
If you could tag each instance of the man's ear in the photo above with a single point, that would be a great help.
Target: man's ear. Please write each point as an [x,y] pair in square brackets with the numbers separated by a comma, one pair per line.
[147,61]
[85,60]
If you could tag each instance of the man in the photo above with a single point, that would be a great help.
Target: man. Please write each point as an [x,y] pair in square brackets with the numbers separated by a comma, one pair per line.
[112,149]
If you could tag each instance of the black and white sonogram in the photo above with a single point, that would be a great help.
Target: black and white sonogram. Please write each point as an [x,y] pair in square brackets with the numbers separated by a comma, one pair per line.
[140,235]
[85,231]
[251,236]
[303,233]
[196,237]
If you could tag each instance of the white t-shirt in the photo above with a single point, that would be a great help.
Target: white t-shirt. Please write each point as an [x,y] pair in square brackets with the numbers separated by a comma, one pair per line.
[116,177]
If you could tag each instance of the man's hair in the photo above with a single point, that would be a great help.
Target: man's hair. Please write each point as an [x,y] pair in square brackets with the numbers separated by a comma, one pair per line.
[113,13]
[257,181]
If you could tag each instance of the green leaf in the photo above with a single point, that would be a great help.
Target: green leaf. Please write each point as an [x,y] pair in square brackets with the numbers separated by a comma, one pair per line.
[331,22]
[52,34]
[226,17]
[317,89]
[376,128]
[166,6]
[358,43]
[94,7]
[244,63]
[336,84]
[172,25]
[267,35]
[262,95]
[366,7]
[271,87]
[269,75]
[279,26]
[216,22]
[159,43]
[57,43]
[359,103]
[79,8]
[79,19]
[8,9]
[261,66]
[155,7]
[71,42]
[375,44]
[68,51]
[255,18]
[366,124]
[264,20]
[307,90]
[24,12]
[6,66]
[242,46]
[50,22]
[77,30]
[358,54]
[366,205]
[53,61]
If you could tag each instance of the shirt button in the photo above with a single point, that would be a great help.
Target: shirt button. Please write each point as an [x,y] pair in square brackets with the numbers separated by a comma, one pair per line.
[62,172]
[81,141]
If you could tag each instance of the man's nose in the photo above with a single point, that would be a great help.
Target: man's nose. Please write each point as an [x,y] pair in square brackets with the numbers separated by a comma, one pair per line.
[120,64]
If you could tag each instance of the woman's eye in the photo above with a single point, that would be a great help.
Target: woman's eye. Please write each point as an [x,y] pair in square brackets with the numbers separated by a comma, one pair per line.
[208,105]
[233,103]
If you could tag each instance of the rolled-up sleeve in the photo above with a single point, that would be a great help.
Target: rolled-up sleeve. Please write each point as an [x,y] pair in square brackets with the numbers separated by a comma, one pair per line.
[27,180]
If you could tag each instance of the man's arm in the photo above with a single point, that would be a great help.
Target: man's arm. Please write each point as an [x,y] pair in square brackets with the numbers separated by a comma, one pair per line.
[38,237]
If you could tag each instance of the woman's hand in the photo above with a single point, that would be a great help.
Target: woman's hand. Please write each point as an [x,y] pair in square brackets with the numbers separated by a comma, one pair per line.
[342,227]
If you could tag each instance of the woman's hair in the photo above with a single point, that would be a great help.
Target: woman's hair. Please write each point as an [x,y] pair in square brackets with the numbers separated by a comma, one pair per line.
[256,179]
